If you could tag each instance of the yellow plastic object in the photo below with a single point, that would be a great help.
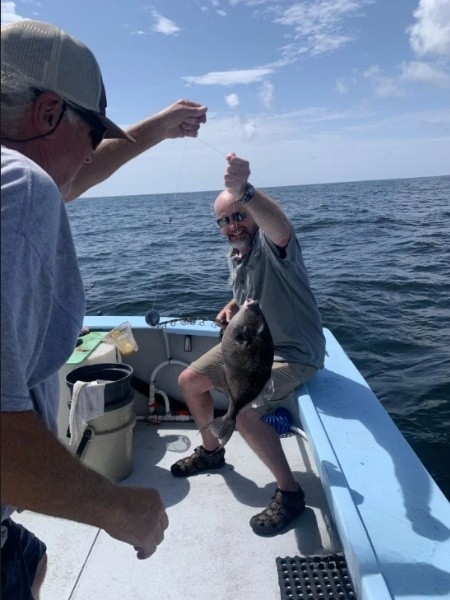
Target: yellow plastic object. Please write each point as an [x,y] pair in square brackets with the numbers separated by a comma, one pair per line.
[122,337]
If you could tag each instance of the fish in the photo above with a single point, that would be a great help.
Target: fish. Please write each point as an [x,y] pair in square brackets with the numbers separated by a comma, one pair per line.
[247,348]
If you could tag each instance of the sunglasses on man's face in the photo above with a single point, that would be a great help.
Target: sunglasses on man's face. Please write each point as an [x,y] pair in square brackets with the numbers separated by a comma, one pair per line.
[96,129]
[237,217]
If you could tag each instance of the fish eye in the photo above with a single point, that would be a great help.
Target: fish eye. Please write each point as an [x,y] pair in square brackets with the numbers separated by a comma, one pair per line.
[239,334]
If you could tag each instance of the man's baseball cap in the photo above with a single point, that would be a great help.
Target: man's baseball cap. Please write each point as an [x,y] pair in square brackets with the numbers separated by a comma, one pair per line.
[51,60]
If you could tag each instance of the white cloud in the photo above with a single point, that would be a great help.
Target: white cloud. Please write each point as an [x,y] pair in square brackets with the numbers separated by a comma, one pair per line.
[410,72]
[431,33]
[318,25]
[134,31]
[164,25]
[341,86]
[234,77]
[318,114]
[266,94]
[422,72]
[384,86]
[388,86]
[232,100]
[249,129]
[221,13]
[9,13]
[160,25]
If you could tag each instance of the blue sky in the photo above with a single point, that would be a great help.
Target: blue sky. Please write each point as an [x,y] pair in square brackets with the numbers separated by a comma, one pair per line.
[309,92]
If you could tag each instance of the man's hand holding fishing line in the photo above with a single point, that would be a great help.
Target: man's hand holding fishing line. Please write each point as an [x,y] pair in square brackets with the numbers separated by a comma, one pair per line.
[236,175]
[264,211]
[183,119]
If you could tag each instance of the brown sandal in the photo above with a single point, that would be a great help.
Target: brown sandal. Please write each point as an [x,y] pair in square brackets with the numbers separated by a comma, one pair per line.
[280,512]
[200,460]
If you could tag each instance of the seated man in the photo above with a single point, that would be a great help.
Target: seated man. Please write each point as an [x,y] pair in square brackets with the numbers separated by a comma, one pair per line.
[265,264]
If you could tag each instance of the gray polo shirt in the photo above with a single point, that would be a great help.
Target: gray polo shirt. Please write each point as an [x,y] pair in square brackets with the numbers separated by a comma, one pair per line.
[279,281]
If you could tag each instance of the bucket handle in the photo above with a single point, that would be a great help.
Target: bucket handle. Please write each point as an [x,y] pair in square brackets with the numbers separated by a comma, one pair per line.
[87,435]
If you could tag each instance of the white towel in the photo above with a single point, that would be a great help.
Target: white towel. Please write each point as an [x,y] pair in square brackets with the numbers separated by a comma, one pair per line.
[88,402]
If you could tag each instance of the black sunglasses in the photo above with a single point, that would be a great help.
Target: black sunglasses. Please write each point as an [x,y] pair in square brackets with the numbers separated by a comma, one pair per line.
[96,129]
[237,217]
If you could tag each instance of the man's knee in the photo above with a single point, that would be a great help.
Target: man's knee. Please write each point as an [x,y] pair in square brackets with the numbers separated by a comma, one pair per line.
[192,382]
[246,419]
[186,379]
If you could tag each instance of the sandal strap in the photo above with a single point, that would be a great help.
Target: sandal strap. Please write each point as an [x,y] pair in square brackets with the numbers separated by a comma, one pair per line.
[280,512]
[199,460]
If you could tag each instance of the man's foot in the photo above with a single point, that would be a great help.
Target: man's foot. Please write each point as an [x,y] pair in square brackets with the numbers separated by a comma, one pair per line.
[280,512]
[200,460]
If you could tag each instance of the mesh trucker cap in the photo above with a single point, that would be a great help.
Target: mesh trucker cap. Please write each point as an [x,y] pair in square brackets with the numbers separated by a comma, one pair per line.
[51,60]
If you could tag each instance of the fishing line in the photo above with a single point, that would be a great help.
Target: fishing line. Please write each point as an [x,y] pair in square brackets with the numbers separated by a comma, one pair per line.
[152,316]
[181,168]
[209,145]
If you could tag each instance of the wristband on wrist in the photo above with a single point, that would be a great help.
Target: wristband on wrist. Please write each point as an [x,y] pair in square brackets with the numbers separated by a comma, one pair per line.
[248,194]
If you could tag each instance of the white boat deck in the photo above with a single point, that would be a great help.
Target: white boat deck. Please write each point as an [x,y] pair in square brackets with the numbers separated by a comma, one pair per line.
[392,520]
[210,551]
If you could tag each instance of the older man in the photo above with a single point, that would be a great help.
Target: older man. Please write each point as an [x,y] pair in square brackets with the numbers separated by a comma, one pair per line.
[53,126]
[265,264]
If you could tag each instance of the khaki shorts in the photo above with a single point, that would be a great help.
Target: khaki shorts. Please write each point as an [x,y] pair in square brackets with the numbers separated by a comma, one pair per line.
[286,376]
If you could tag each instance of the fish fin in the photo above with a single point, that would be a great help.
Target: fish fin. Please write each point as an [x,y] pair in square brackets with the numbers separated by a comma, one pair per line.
[263,396]
[269,389]
[222,429]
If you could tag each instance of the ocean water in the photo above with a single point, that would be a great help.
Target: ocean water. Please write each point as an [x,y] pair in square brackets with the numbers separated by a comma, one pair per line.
[378,256]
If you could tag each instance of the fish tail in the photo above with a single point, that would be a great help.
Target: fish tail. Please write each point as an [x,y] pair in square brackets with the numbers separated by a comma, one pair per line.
[222,428]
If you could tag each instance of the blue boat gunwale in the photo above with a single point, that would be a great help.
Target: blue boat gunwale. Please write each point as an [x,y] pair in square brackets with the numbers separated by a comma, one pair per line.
[393,520]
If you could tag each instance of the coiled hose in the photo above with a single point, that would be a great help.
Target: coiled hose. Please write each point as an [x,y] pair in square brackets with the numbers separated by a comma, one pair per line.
[280,420]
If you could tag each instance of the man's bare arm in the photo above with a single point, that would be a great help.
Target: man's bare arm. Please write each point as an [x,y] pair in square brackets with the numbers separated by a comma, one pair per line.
[181,119]
[267,214]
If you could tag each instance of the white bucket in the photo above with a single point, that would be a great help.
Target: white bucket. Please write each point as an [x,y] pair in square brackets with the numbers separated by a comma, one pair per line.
[104,353]
[107,443]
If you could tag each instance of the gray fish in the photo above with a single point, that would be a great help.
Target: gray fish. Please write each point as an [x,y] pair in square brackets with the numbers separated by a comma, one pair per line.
[247,349]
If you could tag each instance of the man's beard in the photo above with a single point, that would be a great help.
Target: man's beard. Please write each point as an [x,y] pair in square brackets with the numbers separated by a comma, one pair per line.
[243,244]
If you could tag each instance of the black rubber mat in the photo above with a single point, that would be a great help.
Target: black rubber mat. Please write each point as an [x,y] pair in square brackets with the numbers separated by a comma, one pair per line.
[315,578]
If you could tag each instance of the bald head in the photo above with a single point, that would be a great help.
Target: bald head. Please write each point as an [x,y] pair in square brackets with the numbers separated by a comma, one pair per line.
[225,203]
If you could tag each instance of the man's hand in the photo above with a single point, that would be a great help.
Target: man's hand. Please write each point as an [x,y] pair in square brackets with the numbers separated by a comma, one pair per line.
[141,520]
[183,119]
[227,313]
[236,175]
[43,476]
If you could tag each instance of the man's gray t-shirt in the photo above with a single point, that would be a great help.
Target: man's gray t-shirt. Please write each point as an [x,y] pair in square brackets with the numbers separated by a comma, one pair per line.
[42,301]
[279,281]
